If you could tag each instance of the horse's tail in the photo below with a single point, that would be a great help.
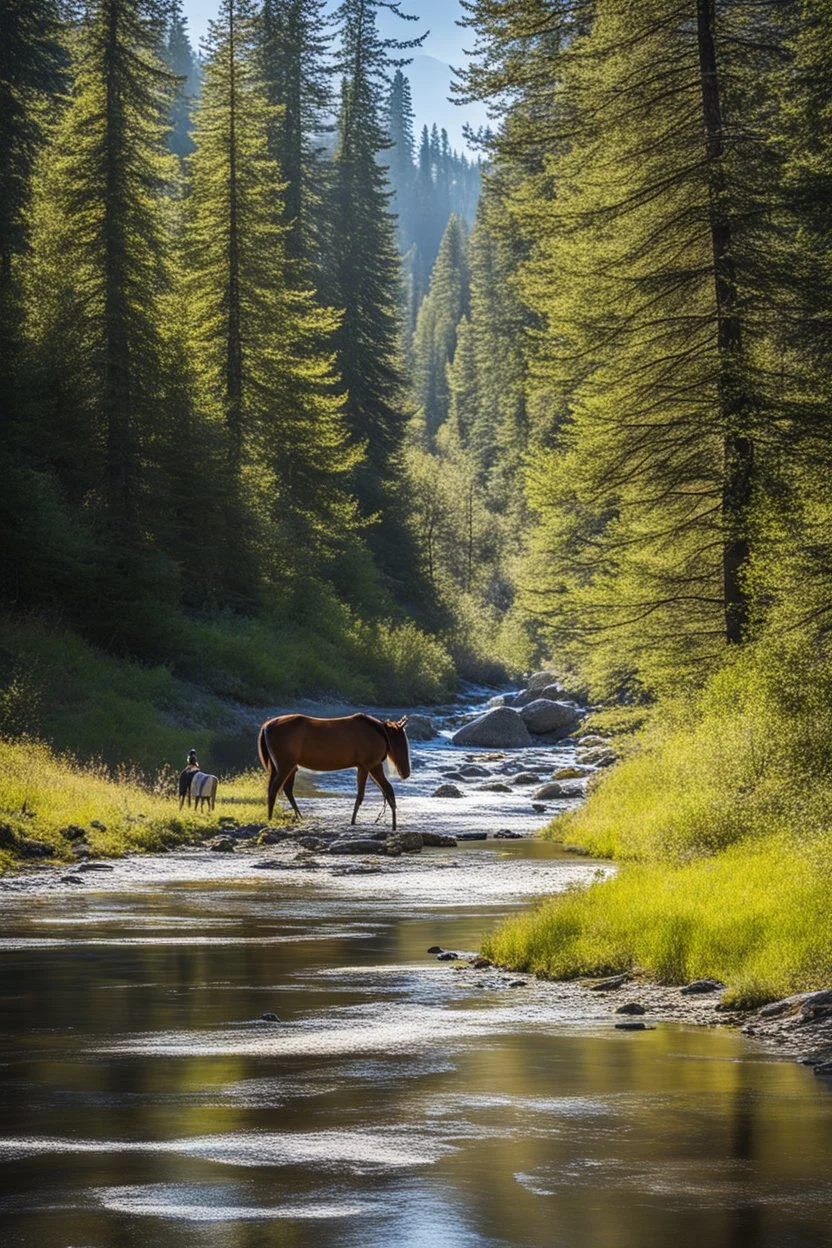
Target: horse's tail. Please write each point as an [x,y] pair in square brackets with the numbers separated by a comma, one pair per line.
[185,778]
[264,752]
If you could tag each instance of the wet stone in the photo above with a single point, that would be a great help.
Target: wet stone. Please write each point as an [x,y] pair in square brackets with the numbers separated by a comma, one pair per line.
[447,790]
[505,834]
[447,956]
[526,777]
[494,786]
[269,1017]
[630,1026]
[274,836]
[473,769]
[95,866]
[438,840]
[701,986]
[435,949]
[221,845]
[357,845]
[630,1007]
[610,984]
[472,836]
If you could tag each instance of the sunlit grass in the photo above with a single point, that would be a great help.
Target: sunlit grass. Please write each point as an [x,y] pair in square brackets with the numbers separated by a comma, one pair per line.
[721,814]
[42,793]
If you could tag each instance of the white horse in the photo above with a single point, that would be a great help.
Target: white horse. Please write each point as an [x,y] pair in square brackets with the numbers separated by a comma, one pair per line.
[202,787]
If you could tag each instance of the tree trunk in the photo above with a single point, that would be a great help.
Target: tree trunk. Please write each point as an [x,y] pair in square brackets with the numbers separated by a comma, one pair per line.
[738,448]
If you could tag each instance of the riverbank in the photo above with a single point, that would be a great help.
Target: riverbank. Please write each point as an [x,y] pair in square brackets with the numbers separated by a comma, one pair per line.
[57,810]
[718,813]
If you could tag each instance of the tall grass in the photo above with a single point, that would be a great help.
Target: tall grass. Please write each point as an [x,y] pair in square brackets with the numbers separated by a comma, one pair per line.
[42,793]
[722,816]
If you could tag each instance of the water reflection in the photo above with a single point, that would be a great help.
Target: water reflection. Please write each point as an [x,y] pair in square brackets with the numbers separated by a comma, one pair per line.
[145,1101]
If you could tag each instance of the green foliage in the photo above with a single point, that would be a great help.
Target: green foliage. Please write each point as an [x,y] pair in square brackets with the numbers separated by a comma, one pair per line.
[723,803]
[434,343]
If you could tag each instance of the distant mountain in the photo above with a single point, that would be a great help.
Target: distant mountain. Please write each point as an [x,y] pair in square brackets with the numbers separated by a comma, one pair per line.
[430,82]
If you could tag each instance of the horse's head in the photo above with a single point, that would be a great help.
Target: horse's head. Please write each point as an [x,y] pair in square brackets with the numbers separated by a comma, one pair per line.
[399,750]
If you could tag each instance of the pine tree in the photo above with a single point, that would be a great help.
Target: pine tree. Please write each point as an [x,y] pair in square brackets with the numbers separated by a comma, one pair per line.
[294,49]
[96,277]
[261,345]
[32,72]
[463,388]
[364,269]
[401,168]
[646,266]
[181,61]
[434,343]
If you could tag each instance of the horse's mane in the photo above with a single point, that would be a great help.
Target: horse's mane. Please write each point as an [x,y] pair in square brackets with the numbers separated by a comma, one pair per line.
[375,723]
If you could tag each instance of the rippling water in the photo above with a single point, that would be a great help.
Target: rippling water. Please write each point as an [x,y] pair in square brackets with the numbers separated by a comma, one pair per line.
[144,1101]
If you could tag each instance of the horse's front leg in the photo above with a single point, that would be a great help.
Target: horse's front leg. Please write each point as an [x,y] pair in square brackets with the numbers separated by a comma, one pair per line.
[361,773]
[386,787]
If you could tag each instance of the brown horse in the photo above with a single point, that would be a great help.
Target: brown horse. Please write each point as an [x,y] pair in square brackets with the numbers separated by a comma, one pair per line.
[359,741]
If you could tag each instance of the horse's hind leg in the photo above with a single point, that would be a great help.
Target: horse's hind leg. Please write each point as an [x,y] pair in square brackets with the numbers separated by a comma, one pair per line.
[362,782]
[386,787]
[277,780]
[289,790]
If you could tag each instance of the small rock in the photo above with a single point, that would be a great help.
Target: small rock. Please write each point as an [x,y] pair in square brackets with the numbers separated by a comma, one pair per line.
[357,845]
[312,842]
[73,879]
[358,868]
[526,777]
[517,983]
[555,720]
[447,956]
[482,964]
[227,821]
[472,836]
[438,840]
[435,949]
[447,790]
[95,866]
[268,1017]
[274,836]
[408,842]
[269,864]
[610,984]
[474,769]
[221,845]
[506,835]
[72,832]
[630,1007]
[28,847]
[824,1070]
[538,808]
[394,850]
[96,823]
[570,773]
[630,1026]
[701,985]
[494,786]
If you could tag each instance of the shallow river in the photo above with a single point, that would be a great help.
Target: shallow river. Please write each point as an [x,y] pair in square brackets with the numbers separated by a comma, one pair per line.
[397,1101]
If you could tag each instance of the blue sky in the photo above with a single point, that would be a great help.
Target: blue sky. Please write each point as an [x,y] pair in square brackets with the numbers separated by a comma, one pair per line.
[445,43]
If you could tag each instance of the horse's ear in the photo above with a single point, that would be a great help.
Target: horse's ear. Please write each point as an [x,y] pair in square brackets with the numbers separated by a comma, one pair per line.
[402,721]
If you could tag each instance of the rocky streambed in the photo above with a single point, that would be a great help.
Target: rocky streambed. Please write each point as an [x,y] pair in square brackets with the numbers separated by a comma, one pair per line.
[279,1039]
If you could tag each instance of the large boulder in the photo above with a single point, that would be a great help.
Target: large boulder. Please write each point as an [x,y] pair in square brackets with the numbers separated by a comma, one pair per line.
[501,727]
[538,681]
[543,716]
[420,728]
